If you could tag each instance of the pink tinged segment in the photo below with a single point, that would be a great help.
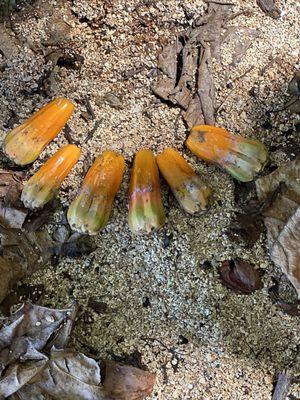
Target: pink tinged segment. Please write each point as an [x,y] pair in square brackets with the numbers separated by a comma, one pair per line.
[146,211]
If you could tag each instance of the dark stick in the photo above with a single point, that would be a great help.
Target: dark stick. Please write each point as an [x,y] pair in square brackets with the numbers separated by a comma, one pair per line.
[222,2]
[176,123]
[282,386]
[93,130]
[68,135]
[89,107]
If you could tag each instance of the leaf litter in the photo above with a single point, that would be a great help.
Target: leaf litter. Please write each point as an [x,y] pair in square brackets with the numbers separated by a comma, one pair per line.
[240,276]
[22,253]
[12,210]
[35,363]
[294,90]
[270,8]
[24,246]
[185,66]
[282,218]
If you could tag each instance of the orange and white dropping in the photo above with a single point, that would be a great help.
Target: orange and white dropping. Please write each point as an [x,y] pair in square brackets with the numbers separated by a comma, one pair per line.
[192,193]
[44,184]
[146,211]
[91,209]
[243,158]
[25,143]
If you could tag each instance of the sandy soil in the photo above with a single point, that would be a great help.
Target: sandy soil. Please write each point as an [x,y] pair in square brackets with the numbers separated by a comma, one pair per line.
[203,340]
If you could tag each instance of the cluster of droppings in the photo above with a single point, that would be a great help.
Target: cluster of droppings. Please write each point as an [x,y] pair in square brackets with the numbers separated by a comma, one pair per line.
[163,293]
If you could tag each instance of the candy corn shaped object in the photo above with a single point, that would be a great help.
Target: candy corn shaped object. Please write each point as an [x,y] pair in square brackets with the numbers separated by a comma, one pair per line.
[146,211]
[243,158]
[44,184]
[24,144]
[90,211]
[191,192]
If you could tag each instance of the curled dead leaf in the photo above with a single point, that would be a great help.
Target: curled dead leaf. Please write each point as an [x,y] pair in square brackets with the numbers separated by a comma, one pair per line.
[12,211]
[294,90]
[285,252]
[185,77]
[123,382]
[240,276]
[269,7]
[35,365]
[282,217]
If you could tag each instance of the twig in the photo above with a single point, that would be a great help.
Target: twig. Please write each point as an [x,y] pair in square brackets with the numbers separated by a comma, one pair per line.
[222,2]
[282,386]
[89,107]
[93,130]
[68,135]
[133,71]
[247,13]
[176,123]
[243,74]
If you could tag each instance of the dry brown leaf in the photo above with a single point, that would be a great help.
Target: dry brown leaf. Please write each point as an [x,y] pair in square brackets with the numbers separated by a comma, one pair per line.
[282,218]
[287,200]
[206,89]
[167,63]
[269,7]
[186,77]
[123,382]
[240,276]
[285,252]
[12,211]
[28,331]
[185,67]
[34,364]
[192,115]
[22,254]
[18,375]
[70,375]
